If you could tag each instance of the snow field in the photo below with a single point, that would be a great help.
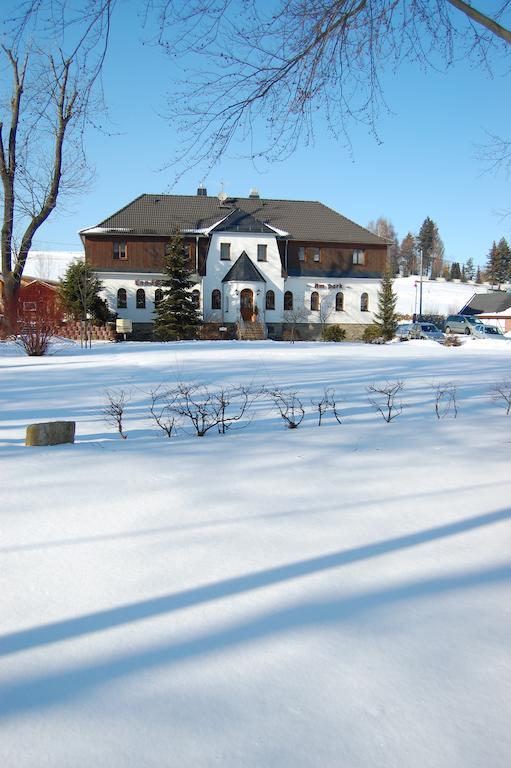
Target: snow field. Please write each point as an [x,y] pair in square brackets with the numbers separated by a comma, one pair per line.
[315,597]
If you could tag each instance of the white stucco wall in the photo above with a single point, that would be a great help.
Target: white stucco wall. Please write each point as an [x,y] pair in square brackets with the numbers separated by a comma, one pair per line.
[327,288]
[216,270]
[131,282]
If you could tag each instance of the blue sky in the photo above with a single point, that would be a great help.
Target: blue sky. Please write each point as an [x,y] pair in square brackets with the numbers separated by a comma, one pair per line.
[427,163]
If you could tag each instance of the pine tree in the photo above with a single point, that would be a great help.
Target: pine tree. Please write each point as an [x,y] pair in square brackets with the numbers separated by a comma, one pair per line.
[504,260]
[455,271]
[470,269]
[386,315]
[408,255]
[463,274]
[79,292]
[176,316]
[479,279]
[493,269]
[432,247]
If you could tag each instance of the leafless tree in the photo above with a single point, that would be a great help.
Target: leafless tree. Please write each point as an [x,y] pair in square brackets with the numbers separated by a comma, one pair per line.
[289,406]
[324,314]
[265,70]
[51,54]
[324,403]
[501,394]
[292,317]
[383,398]
[161,410]
[445,399]
[116,401]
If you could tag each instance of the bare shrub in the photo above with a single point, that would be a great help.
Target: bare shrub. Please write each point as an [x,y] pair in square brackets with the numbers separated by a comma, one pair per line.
[326,402]
[383,398]
[196,405]
[289,406]
[452,341]
[501,394]
[115,408]
[233,402]
[445,399]
[161,410]
[35,331]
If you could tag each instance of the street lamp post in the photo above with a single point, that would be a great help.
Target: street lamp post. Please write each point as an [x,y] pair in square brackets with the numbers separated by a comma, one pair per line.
[420,283]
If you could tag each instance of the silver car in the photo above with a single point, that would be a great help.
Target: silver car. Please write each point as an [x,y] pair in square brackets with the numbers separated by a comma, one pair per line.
[425,331]
[461,324]
[482,331]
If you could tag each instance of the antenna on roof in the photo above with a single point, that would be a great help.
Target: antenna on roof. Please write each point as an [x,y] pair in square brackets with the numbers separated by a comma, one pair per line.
[254,193]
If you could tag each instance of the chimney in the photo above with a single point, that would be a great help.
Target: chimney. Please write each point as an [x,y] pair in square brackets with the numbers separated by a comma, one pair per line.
[202,191]
[254,193]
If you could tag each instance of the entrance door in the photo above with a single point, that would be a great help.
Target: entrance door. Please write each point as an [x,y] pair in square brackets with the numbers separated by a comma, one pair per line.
[247,304]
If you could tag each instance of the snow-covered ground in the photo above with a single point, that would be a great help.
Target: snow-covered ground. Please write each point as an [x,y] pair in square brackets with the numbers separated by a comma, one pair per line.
[320,597]
[438,297]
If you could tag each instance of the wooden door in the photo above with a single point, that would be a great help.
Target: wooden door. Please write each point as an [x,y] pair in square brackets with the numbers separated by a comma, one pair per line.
[247,304]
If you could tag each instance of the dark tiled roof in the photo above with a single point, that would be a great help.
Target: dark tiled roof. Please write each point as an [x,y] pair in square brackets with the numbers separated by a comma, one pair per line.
[303,220]
[240,221]
[497,301]
[244,270]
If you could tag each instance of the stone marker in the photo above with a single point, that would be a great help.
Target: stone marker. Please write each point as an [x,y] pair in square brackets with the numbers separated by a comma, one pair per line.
[51,433]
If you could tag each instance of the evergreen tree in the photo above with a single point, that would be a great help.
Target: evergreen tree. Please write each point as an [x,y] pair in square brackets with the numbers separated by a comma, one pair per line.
[432,247]
[463,274]
[79,292]
[504,261]
[176,316]
[470,269]
[479,279]
[386,316]
[493,268]
[408,255]
[455,271]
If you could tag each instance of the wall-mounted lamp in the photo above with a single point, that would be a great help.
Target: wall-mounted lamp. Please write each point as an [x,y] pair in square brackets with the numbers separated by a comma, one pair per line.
[236,292]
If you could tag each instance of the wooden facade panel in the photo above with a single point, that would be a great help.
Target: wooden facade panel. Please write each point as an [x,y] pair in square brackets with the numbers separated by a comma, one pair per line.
[335,258]
[142,255]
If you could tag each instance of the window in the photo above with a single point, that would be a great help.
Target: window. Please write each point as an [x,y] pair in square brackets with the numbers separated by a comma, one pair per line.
[339,302]
[158,296]
[122,298]
[261,253]
[140,298]
[301,253]
[316,254]
[196,299]
[288,300]
[225,251]
[216,299]
[120,250]
[29,306]
[314,301]
[359,257]
[364,303]
[270,300]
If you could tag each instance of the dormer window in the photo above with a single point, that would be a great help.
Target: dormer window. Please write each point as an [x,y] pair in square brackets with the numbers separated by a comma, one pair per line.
[225,251]
[120,250]
[359,257]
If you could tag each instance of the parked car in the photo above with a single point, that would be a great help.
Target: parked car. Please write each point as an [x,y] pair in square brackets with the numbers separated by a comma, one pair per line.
[425,331]
[461,324]
[402,331]
[488,332]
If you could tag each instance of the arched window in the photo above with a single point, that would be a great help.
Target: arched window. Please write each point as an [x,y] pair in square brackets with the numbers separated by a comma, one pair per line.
[196,298]
[158,296]
[314,301]
[216,299]
[339,302]
[270,300]
[364,303]
[122,298]
[140,298]
[288,300]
